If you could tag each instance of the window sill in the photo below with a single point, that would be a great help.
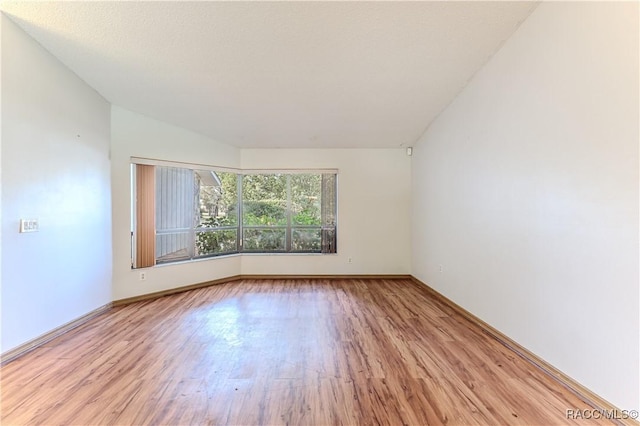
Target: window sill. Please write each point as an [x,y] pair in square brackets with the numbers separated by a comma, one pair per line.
[226,256]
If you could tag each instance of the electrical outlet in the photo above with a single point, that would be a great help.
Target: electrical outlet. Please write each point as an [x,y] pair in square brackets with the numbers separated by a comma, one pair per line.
[350,260]
[29,225]
[143,276]
[441,268]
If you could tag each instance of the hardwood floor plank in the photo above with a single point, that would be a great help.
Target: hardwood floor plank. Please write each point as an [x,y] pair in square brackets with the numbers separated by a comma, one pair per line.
[284,351]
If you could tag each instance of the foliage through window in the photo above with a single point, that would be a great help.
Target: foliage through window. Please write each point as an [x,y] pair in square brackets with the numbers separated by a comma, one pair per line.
[202,213]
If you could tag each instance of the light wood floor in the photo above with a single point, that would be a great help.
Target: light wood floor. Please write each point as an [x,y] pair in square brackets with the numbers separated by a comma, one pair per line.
[314,352]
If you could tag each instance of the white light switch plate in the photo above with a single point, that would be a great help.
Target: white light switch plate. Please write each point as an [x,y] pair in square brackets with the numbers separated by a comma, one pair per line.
[29,225]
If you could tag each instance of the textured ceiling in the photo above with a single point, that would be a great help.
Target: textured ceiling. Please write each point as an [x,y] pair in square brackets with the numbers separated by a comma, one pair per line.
[277,74]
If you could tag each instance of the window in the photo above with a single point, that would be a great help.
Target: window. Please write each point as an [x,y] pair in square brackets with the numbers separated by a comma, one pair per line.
[188,213]
[289,212]
[217,216]
[265,212]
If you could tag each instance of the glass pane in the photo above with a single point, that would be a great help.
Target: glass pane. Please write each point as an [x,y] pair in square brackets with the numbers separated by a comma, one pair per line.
[264,239]
[217,198]
[173,246]
[306,192]
[216,241]
[264,200]
[175,207]
[175,198]
[306,240]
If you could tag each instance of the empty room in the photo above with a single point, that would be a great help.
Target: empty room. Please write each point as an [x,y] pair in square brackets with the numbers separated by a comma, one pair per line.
[315,213]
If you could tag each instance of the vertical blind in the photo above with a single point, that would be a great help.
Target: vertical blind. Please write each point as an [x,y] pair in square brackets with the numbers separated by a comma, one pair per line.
[328,212]
[145,232]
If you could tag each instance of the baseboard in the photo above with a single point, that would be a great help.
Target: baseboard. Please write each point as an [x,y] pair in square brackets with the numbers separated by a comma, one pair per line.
[567,382]
[168,292]
[155,295]
[50,335]
[328,277]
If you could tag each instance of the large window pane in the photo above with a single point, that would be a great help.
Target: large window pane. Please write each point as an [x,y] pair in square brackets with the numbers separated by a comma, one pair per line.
[216,241]
[264,239]
[264,200]
[306,192]
[217,211]
[175,208]
[306,240]
[217,198]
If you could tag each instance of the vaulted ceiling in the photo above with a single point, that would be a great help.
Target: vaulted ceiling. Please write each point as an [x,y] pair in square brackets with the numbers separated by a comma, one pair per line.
[277,74]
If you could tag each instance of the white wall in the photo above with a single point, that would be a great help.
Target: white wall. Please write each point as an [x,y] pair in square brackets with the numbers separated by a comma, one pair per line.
[373,211]
[373,191]
[55,167]
[134,135]
[526,191]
